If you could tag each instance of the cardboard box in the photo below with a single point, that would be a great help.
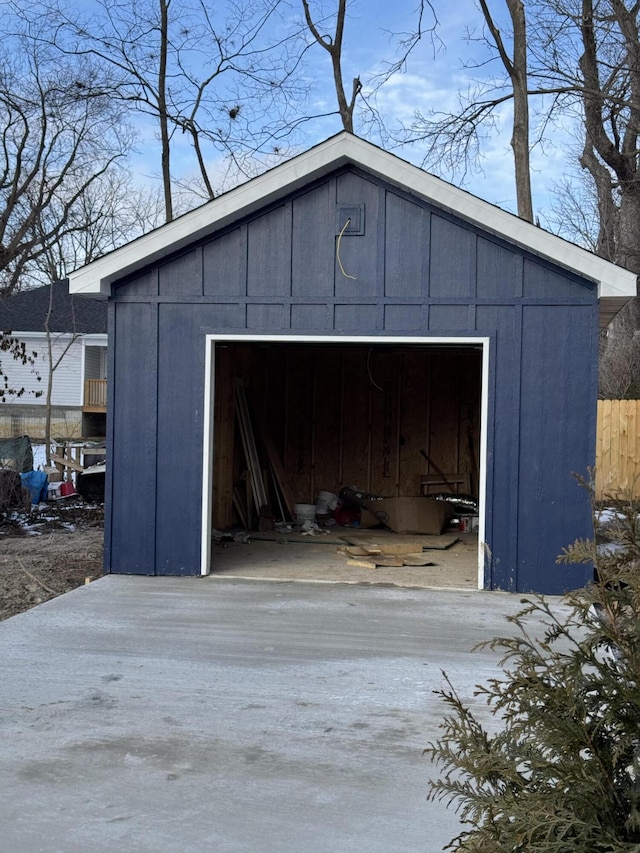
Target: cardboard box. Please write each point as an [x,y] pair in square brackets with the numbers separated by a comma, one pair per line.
[412,515]
[367,520]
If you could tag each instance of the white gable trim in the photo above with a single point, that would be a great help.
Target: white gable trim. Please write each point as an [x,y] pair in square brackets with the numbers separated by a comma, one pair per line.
[96,278]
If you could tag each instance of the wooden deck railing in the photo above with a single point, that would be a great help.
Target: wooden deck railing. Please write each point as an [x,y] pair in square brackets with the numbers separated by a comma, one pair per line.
[95,395]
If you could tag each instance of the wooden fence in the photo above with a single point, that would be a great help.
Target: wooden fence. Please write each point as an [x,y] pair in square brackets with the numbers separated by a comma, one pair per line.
[618,449]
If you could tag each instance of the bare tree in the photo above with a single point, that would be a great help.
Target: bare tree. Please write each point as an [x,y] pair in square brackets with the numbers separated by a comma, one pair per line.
[218,82]
[54,360]
[516,68]
[610,69]
[619,369]
[58,133]
[580,59]
[333,45]
[328,30]
[111,212]
[455,139]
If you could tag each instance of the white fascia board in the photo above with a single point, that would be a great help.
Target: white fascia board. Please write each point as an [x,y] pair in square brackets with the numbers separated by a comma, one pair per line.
[58,336]
[95,339]
[96,278]
[612,280]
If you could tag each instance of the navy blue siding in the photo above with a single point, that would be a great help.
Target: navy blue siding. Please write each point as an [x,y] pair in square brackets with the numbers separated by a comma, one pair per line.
[557,436]
[181,363]
[417,271]
[132,532]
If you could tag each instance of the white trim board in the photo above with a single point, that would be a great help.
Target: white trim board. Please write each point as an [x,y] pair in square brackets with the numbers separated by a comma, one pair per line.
[96,278]
[208,425]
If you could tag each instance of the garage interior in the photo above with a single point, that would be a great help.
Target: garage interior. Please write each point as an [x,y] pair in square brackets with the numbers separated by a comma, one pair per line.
[389,419]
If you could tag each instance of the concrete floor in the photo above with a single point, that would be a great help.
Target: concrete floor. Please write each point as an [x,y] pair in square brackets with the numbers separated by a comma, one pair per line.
[317,559]
[182,715]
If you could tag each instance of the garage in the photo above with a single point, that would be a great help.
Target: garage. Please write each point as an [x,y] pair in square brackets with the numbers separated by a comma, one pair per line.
[388,417]
[386,328]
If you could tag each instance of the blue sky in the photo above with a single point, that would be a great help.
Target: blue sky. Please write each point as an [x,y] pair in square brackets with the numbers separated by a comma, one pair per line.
[433,78]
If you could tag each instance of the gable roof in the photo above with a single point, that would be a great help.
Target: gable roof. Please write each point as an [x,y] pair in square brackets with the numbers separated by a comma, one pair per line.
[27,311]
[344,149]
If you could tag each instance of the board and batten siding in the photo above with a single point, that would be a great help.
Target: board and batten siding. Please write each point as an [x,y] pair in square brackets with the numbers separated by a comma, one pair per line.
[414,271]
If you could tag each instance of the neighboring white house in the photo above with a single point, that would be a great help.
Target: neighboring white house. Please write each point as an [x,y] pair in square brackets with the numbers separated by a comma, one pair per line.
[79,354]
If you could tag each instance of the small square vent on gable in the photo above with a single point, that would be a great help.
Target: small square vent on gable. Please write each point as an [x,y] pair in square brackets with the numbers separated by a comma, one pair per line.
[350,220]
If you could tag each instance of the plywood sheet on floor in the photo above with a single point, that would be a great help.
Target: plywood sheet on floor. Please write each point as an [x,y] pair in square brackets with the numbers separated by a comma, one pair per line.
[386,537]
[456,567]
[355,536]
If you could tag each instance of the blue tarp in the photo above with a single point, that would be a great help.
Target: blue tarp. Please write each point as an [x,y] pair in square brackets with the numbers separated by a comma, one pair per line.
[36,482]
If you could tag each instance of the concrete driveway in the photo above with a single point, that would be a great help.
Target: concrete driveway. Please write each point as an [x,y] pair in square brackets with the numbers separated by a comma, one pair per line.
[167,714]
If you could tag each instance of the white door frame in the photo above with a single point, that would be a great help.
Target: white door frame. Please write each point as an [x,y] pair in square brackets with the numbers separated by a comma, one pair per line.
[209,398]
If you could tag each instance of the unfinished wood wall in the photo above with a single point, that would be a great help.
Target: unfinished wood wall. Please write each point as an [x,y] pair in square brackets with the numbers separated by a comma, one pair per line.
[618,449]
[349,415]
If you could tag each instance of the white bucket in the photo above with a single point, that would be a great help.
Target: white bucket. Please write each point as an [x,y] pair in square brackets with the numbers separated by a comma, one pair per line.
[304,512]
[326,503]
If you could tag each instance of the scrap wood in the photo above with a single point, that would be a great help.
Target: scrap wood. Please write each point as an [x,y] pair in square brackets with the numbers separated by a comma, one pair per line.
[392,548]
[416,560]
[68,463]
[250,451]
[281,482]
[390,542]
[389,561]
[239,503]
[362,564]
[358,551]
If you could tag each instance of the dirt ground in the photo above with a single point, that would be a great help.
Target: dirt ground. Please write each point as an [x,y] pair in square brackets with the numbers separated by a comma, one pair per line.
[48,551]
[58,546]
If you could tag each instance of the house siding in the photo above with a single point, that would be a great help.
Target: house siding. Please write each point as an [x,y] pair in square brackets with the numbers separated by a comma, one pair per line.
[418,271]
[67,388]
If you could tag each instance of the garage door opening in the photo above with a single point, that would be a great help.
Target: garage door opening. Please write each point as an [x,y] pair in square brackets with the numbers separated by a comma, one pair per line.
[395,418]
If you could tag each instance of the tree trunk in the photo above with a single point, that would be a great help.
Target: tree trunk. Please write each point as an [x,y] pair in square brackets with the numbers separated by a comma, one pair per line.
[47,421]
[606,246]
[520,137]
[516,68]
[333,46]
[162,109]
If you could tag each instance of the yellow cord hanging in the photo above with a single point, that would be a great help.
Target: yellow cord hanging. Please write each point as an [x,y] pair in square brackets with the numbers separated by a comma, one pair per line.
[342,270]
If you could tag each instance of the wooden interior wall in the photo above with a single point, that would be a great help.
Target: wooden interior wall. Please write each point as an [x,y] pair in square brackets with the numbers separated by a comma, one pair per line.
[349,415]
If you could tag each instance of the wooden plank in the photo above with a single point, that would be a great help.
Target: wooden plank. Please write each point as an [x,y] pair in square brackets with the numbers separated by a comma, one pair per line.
[251,453]
[390,548]
[240,505]
[277,468]
[362,564]
[357,551]
[66,462]
[426,542]
[389,561]
[417,560]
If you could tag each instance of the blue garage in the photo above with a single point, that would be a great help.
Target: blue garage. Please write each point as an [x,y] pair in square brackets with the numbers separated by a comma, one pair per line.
[383,327]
